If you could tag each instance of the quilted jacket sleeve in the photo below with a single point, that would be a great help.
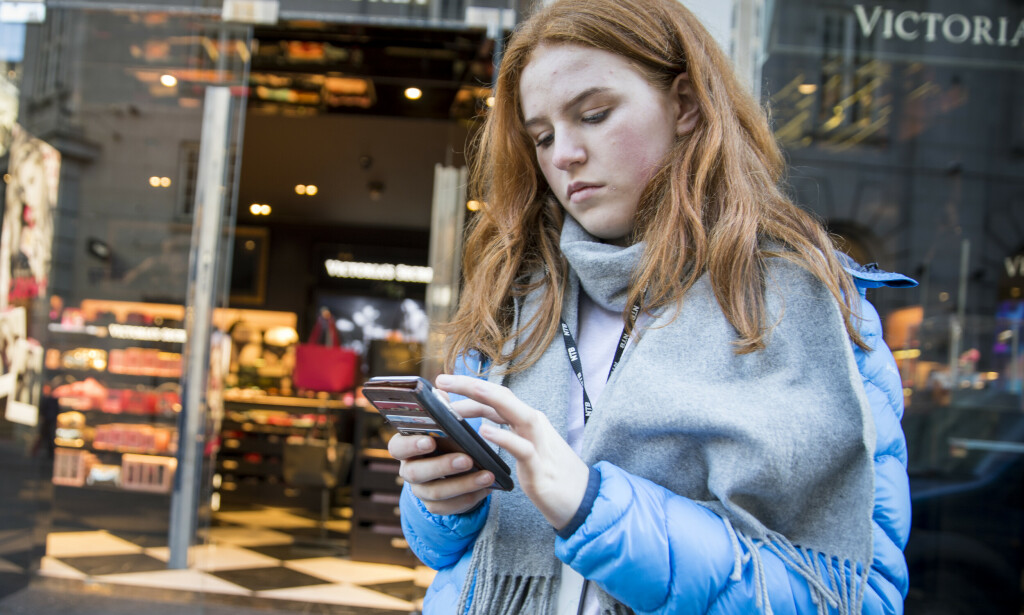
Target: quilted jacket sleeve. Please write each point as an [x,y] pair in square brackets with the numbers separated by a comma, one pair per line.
[440,541]
[891,518]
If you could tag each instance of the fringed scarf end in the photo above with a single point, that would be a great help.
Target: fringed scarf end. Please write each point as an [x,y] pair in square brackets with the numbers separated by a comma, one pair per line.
[512,595]
[834,583]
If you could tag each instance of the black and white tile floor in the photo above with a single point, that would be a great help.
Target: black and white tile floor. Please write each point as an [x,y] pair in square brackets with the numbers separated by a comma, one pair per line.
[265,554]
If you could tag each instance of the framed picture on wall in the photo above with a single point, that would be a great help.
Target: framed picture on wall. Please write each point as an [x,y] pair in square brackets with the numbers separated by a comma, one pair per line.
[249,266]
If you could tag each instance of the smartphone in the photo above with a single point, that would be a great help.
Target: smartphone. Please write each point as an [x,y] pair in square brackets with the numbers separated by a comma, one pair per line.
[415,408]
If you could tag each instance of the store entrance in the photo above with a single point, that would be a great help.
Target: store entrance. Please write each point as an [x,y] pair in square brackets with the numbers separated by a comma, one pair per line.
[336,213]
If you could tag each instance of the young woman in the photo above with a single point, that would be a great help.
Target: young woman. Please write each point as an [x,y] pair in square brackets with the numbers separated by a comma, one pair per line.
[663,346]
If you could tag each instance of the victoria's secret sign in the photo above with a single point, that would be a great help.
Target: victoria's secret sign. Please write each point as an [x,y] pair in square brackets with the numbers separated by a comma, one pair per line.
[931,27]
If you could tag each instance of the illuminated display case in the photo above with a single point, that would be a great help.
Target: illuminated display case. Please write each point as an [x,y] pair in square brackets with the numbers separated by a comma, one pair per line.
[113,371]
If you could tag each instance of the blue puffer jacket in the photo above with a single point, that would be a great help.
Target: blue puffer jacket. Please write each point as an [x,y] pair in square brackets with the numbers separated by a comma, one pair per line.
[628,546]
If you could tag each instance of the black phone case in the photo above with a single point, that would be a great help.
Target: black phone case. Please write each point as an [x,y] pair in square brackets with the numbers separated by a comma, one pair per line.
[450,426]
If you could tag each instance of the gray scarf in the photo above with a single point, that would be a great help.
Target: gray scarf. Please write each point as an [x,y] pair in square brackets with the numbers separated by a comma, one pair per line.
[779,443]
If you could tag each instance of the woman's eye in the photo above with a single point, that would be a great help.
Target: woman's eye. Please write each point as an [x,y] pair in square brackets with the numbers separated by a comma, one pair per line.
[594,118]
[544,141]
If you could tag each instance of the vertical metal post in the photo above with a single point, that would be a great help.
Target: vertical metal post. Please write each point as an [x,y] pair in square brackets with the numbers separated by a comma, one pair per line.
[206,232]
[965,260]
[446,228]
[1015,375]
[960,321]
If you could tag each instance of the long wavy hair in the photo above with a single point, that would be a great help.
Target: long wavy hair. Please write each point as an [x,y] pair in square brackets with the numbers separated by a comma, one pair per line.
[712,208]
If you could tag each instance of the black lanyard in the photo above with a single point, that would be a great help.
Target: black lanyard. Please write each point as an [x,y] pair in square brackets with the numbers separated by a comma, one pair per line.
[577,365]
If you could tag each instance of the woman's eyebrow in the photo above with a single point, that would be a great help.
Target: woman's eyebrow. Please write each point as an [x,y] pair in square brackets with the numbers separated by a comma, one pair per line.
[572,102]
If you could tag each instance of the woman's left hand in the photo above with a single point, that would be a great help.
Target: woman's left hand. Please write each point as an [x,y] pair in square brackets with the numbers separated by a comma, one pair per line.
[547,469]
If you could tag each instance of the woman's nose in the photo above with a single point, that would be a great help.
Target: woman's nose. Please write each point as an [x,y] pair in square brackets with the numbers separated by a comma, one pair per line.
[569,151]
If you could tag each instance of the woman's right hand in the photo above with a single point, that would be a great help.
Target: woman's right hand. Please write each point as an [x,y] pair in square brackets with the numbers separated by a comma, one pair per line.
[440,482]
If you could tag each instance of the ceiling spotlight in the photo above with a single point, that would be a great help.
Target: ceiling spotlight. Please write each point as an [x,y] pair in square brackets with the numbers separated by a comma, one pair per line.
[265,210]
[311,190]
[413,93]
[300,189]
[165,182]
[254,209]
[490,101]
[807,88]
[169,80]
[474,205]
[154,181]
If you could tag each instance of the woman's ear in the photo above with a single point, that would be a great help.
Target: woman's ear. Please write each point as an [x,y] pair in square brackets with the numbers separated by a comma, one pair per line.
[687,109]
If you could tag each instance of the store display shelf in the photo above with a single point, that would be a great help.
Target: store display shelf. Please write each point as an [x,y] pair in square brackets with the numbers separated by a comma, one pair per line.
[244,397]
[259,428]
[110,451]
[111,488]
[118,332]
[116,377]
[99,415]
[267,446]
[66,341]
[268,494]
[239,467]
[90,330]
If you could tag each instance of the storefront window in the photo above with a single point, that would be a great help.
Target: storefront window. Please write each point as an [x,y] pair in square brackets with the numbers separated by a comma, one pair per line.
[156,448]
[101,289]
[904,128]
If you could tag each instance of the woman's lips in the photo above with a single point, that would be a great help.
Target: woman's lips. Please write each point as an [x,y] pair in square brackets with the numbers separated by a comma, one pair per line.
[580,192]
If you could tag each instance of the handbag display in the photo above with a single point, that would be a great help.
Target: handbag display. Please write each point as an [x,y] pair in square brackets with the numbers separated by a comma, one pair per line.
[317,461]
[329,368]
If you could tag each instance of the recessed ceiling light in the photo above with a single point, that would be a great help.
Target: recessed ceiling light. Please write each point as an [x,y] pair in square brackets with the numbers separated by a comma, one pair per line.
[169,80]
[413,93]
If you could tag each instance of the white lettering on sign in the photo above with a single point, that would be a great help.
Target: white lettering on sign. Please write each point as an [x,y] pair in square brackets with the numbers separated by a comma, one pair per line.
[147,334]
[251,11]
[955,28]
[378,271]
[33,11]
[1014,265]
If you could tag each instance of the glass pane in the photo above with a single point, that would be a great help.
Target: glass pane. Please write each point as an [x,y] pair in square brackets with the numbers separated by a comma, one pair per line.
[904,129]
[104,116]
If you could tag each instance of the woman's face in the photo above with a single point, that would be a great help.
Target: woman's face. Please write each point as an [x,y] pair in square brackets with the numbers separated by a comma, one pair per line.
[32,179]
[601,131]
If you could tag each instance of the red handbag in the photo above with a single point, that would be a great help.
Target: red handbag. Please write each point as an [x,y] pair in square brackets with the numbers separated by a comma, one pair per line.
[328,368]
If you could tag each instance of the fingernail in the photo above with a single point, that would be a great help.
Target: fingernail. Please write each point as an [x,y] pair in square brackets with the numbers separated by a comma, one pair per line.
[423,444]
[461,463]
[484,479]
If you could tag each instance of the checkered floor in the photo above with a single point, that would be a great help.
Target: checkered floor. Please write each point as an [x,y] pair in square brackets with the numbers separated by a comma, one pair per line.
[269,553]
